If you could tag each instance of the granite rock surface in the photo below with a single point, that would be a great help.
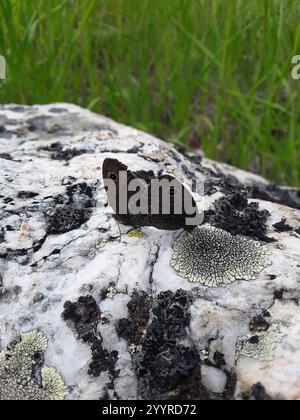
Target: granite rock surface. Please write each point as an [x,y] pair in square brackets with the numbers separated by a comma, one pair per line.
[119,320]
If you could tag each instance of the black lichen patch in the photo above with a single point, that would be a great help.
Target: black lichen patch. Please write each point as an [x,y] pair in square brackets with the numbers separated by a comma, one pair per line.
[38,123]
[57,110]
[259,324]
[18,108]
[8,200]
[238,217]
[257,393]
[173,311]
[254,339]
[145,175]
[227,184]
[80,190]
[6,134]
[66,218]
[288,295]
[163,364]
[282,226]
[16,253]
[184,154]
[132,329]
[167,368]
[5,156]
[219,360]
[59,152]
[25,195]
[216,181]
[275,194]
[103,360]
[85,315]
[71,210]
[278,294]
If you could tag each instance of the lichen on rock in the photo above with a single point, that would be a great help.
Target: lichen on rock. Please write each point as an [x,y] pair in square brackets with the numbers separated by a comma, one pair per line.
[211,256]
[256,393]
[159,336]
[237,216]
[85,315]
[22,374]
[163,362]
[260,346]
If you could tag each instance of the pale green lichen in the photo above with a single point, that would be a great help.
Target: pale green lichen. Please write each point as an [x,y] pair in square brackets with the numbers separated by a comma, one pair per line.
[212,256]
[22,375]
[111,292]
[135,234]
[260,346]
[100,243]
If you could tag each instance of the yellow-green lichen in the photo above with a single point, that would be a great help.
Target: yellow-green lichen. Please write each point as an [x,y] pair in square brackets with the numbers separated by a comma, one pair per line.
[260,346]
[22,374]
[111,292]
[136,234]
[212,256]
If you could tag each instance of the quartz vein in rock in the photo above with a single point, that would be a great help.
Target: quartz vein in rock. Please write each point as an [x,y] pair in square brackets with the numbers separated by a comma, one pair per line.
[211,256]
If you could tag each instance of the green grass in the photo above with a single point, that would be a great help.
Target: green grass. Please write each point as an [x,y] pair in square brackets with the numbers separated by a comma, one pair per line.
[213,74]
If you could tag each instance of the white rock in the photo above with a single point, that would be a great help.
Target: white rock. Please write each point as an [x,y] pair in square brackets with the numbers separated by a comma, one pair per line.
[213,379]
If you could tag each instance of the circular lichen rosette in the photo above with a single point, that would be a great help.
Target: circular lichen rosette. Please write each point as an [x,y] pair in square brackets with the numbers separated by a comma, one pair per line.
[212,256]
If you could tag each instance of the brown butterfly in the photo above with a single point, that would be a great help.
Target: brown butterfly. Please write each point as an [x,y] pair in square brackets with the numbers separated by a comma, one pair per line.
[156,201]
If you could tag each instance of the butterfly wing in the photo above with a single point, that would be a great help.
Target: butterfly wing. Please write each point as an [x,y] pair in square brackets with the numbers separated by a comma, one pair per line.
[167,200]
[111,171]
[174,204]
